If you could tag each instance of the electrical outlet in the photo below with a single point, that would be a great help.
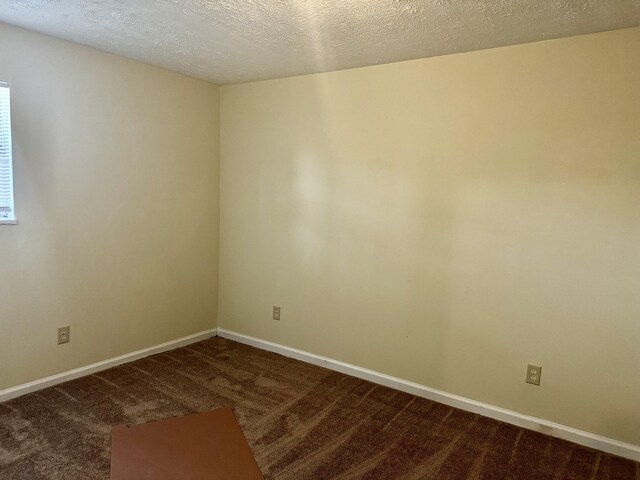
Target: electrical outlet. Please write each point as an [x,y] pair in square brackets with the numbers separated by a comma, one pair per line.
[64,335]
[533,374]
[276,312]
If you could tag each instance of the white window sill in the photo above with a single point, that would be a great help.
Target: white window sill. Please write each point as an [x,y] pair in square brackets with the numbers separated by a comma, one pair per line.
[8,222]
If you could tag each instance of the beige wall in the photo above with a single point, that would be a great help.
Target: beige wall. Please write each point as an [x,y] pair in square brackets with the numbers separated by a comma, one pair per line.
[448,221]
[116,185]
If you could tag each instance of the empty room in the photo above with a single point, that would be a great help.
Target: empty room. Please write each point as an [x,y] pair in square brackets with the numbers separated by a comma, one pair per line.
[320,240]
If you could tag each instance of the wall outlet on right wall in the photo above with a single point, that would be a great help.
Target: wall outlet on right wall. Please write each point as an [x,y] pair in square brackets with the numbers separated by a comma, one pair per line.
[276,312]
[533,374]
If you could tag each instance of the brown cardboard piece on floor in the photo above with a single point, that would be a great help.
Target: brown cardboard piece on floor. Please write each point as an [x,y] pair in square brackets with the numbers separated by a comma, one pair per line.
[207,446]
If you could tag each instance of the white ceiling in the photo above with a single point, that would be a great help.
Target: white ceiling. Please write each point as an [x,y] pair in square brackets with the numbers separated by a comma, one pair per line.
[230,41]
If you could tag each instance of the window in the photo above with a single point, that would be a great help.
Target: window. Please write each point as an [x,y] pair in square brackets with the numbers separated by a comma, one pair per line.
[7,210]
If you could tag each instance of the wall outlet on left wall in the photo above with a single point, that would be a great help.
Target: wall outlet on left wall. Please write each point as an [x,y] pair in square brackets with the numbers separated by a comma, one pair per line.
[64,335]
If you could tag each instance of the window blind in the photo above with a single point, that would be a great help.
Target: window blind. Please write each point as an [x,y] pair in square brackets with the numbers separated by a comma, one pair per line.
[7,212]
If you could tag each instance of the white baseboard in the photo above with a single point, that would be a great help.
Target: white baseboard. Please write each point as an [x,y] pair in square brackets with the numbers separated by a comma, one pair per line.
[59,378]
[580,437]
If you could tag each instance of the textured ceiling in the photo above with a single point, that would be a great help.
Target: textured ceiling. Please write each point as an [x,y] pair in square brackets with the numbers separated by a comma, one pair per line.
[230,41]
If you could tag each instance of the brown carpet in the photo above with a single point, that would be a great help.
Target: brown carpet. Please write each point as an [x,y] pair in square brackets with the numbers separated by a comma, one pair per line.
[302,422]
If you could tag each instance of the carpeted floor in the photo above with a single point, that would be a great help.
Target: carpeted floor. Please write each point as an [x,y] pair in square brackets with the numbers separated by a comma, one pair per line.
[302,422]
